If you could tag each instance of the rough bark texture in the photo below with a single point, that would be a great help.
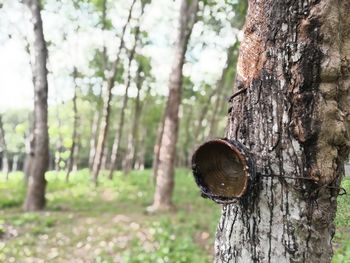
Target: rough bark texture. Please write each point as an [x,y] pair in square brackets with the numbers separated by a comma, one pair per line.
[293,114]
[165,171]
[104,126]
[35,199]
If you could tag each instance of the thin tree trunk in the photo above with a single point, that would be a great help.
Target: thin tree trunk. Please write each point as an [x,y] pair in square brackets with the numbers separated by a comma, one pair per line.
[104,158]
[72,155]
[292,113]
[119,130]
[35,199]
[225,83]
[107,107]
[140,155]
[165,172]
[134,135]
[59,142]
[188,137]
[5,159]
[15,163]
[94,128]
[76,153]
[97,114]
[156,148]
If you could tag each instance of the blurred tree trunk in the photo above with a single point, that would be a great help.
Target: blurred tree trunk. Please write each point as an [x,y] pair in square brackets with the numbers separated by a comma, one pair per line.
[35,198]
[140,154]
[188,137]
[97,114]
[165,171]
[94,129]
[74,146]
[14,163]
[104,158]
[3,147]
[156,148]
[104,126]
[119,130]
[292,112]
[134,135]
[224,84]
[59,142]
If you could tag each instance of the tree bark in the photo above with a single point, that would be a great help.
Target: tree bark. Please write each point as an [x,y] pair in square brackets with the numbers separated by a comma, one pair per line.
[3,146]
[119,130]
[107,107]
[293,114]
[35,199]
[74,146]
[165,172]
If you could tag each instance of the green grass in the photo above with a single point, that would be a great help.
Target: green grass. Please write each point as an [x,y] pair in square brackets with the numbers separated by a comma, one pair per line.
[109,224]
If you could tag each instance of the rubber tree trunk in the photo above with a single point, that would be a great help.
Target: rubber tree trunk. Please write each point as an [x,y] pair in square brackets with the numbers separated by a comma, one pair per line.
[104,126]
[94,128]
[165,171]
[97,113]
[119,132]
[156,148]
[59,142]
[293,114]
[35,198]
[74,146]
[3,148]
[222,88]
[134,135]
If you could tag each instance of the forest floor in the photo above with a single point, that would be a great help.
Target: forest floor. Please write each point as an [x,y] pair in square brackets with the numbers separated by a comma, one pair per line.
[109,224]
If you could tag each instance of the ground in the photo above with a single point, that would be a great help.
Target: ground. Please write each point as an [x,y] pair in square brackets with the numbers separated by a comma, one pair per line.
[109,224]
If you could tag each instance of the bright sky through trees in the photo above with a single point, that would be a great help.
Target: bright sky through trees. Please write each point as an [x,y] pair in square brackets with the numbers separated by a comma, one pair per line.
[69,32]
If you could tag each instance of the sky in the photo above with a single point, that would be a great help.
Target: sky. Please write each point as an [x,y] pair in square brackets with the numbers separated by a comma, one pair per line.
[70,47]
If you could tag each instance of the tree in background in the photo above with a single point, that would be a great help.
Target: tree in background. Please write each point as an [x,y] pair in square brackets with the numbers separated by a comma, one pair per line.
[35,199]
[74,147]
[104,126]
[292,113]
[4,153]
[167,148]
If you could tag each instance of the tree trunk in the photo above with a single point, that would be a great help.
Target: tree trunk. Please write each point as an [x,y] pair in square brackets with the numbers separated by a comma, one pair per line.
[225,83]
[3,147]
[140,155]
[59,142]
[119,131]
[94,128]
[104,158]
[165,172]
[134,135]
[156,148]
[292,113]
[74,146]
[107,107]
[15,163]
[35,199]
